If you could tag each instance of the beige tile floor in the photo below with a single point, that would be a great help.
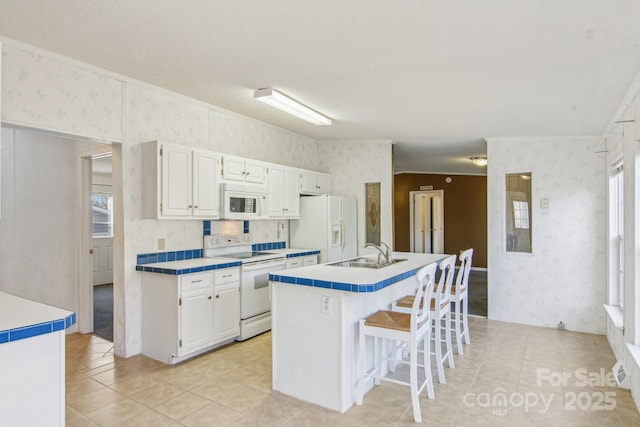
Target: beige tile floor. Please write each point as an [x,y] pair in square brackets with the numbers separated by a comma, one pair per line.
[519,365]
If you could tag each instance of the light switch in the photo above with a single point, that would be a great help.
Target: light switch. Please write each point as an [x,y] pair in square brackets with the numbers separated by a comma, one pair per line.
[160,244]
[544,203]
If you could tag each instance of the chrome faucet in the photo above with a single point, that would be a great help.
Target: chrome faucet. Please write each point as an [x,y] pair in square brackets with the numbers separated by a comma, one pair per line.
[386,253]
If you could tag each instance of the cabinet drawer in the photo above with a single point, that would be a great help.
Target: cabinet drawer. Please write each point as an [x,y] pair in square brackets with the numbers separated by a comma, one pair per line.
[294,262]
[195,281]
[226,275]
[310,260]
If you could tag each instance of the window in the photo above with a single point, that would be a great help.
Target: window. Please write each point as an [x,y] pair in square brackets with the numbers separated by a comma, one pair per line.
[521,214]
[616,196]
[518,212]
[102,214]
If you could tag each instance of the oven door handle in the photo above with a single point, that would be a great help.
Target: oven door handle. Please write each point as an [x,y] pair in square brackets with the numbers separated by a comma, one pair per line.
[261,265]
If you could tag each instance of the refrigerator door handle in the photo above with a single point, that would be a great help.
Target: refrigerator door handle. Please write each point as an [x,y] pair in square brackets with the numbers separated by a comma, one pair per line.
[342,242]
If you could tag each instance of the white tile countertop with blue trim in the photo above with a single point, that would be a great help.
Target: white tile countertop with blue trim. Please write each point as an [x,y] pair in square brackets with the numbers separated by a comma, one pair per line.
[187,266]
[21,318]
[191,261]
[357,279]
[292,253]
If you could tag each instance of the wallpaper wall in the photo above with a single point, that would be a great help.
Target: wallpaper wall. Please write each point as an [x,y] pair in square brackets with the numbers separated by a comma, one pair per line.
[564,278]
[43,92]
[352,164]
[37,260]
[50,92]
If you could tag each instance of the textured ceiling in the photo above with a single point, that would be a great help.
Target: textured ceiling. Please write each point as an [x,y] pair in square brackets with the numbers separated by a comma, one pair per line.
[434,76]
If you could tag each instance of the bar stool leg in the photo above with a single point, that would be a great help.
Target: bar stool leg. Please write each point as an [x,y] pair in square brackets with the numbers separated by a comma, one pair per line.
[447,321]
[413,373]
[465,318]
[457,322]
[362,362]
[438,349]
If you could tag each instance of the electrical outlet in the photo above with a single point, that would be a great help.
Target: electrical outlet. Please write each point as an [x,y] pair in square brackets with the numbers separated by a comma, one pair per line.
[161,244]
[326,304]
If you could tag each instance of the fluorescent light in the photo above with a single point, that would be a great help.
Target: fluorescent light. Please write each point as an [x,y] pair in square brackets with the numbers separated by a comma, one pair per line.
[479,161]
[291,106]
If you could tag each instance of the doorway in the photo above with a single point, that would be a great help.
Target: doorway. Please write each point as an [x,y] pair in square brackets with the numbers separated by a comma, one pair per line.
[427,221]
[102,244]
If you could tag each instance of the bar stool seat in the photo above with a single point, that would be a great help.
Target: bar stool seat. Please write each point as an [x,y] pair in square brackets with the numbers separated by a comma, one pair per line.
[398,330]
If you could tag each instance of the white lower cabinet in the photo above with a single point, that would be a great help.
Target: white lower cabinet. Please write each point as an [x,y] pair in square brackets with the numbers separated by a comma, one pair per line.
[226,305]
[186,315]
[302,261]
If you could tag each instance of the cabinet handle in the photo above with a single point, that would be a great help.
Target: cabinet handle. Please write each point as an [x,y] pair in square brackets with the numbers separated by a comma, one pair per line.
[217,296]
[195,206]
[210,297]
[228,275]
[196,281]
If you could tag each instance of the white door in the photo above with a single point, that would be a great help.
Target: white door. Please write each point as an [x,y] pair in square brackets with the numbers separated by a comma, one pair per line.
[427,221]
[102,260]
[291,197]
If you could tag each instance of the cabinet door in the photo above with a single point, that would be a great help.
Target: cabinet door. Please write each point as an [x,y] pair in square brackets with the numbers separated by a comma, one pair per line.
[196,313]
[323,183]
[233,168]
[176,181]
[255,172]
[308,182]
[291,193]
[206,170]
[226,312]
[276,191]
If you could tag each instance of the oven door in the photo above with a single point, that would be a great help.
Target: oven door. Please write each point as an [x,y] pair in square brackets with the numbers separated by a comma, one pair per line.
[254,286]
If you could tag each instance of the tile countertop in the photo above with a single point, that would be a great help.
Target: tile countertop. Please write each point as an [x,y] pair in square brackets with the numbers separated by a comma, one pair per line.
[22,318]
[294,252]
[357,279]
[187,266]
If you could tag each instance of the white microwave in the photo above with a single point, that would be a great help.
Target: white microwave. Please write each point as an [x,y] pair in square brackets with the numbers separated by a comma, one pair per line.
[244,202]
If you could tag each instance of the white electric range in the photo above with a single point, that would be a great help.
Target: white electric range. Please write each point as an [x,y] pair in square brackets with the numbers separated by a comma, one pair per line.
[255,298]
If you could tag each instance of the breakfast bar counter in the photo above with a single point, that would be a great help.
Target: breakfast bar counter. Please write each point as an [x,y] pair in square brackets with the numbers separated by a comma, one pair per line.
[315,313]
[32,362]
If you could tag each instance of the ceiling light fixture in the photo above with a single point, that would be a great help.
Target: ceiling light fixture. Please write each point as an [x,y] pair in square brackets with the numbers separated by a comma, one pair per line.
[288,105]
[479,161]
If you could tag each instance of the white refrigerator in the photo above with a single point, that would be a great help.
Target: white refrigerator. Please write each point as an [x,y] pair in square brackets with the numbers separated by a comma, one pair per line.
[327,223]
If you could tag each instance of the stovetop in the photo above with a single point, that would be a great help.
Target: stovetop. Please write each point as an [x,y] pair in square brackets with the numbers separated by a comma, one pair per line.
[245,255]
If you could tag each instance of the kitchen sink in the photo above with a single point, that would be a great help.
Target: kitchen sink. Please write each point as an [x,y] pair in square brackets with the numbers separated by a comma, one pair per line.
[365,263]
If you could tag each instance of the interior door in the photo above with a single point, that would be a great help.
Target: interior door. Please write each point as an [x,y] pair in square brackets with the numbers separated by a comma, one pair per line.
[427,233]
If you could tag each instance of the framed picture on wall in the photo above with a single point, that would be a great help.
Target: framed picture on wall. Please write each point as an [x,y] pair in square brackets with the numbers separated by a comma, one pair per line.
[372,212]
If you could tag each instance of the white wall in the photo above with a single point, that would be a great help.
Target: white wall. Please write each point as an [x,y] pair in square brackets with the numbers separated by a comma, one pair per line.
[38,224]
[564,278]
[351,165]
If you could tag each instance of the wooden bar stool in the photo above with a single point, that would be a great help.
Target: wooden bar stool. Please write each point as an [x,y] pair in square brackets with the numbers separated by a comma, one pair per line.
[410,329]
[460,298]
[440,308]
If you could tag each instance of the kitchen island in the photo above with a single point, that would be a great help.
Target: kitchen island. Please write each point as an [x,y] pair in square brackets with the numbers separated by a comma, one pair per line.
[315,315]
[32,362]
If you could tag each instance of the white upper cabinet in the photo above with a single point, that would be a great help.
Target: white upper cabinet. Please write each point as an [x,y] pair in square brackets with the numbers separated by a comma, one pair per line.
[179,182]
[239,169]
[314,182]
[284,191]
